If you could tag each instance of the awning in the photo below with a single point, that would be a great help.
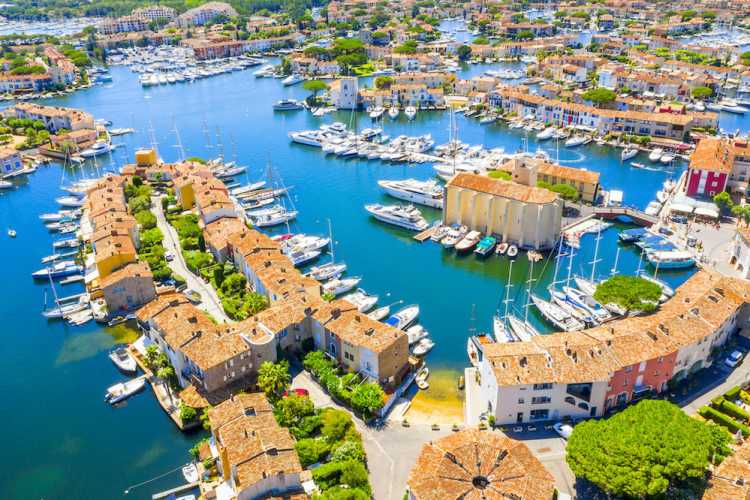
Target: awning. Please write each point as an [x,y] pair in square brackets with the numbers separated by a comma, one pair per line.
[707,212]
[679,207]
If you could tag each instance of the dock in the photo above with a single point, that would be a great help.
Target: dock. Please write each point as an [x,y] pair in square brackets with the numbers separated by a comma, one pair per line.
[175,490]
[424,235]
[72,279]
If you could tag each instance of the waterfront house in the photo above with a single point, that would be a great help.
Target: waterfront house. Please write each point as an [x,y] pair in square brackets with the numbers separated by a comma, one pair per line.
[10,160]
[255,456]
[205,13]
[710,167]
[53,117]
[128,288]
[344,93]
[519,213]
[475,464]
[583,374]
[586,182]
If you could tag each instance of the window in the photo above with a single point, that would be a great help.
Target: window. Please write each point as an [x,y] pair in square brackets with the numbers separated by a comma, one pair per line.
[570,400]
[540,400]
[539,414]
[583,406]
[581,391]
[542,387]
[520,401]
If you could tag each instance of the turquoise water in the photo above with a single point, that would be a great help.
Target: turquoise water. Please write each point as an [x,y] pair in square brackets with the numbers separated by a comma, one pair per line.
[63,441]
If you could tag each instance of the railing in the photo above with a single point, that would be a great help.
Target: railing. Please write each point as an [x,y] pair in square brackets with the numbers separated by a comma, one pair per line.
[632,212]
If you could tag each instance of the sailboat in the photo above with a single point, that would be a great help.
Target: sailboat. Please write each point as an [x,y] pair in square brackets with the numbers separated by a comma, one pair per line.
[499,323]
[64,308]
[330,270]
[522,328]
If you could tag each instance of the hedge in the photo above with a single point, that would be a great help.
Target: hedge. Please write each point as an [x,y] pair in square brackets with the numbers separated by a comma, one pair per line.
[735,411]
[733,393]
[744,396]
[723,420]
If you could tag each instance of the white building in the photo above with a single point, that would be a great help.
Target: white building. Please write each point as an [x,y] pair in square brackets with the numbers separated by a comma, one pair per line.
[205,14]
[344,93]
[740,257]
[154,13]
[10,160]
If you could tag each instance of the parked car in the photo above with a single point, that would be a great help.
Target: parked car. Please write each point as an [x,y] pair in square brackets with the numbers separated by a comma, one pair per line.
[679,219]
[564,430]
[169,256]
[193,296]
[531,428]
[298,392]
[692,241]
[733,359]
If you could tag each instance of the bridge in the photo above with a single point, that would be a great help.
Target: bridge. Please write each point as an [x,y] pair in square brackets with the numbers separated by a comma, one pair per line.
[638,216]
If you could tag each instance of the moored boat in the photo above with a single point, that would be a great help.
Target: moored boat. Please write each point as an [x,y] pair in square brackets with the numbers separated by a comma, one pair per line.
[123,390]
[123,360]
[403,318]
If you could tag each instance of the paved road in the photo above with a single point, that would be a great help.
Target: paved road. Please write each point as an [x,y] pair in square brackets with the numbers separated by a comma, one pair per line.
[209,300]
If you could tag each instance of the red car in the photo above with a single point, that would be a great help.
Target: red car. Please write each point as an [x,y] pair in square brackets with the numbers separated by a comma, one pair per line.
[298,392]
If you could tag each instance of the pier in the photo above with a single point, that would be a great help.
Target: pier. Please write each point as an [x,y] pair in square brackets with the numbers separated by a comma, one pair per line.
[175,490]
[425,235]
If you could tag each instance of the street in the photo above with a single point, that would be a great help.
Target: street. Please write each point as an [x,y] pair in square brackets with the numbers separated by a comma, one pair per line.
[210,301]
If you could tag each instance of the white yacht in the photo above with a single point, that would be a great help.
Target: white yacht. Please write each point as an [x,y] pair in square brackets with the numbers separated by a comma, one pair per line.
[556,315]
[428,193]
[287,105]
[393,112]
[327,271]
[308,138]
[667,158]
[404,318]
[98,148]
[655,155]
[123,390]
[545,134]
[628,153]
[407,217]
[416,333]
[410,112]
[379,313]
[273,219]
[577,140]
[123,360]
[361,300]
[376,112]
[292,79]
[339,286]
[522,329]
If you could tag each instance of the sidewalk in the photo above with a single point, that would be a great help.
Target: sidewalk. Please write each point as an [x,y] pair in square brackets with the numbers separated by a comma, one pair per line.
[210,301]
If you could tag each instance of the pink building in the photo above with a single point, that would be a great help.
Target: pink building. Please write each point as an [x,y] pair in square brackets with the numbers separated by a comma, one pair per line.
[639,378]
[710,167]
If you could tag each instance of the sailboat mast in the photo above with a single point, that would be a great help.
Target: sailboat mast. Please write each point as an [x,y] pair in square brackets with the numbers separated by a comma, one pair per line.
[507,291]
[617,260]
[528,292]
[331,243]
[596,255]
[570,267]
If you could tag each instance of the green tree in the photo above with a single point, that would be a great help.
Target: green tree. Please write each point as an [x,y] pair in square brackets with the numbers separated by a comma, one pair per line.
[291,410]
[314,86]
[723,201]
[631,292]
[274,378]
[383,82]
[463,52]
[336,424]
[311,450]
[644,450]
[368,398]
[348,450]
[599,95]
[702,92]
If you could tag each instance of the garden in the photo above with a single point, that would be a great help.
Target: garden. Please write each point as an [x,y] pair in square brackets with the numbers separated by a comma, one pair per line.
[151,250]
[730,410]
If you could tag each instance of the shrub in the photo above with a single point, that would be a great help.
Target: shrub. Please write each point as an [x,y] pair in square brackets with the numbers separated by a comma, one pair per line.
[146,219]
[336,423]
[733,393]
[733,410]
[348,450]
[187,413]
[724,420]
[311,450]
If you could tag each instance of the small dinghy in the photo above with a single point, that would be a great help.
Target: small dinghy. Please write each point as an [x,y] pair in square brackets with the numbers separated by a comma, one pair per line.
[123,360]
[123,390]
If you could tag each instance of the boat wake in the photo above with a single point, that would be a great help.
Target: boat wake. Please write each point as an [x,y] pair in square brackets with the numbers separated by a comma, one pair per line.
[580,157]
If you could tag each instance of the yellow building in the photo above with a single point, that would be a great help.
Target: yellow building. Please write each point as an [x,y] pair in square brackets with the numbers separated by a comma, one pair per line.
[586,182]
[113,252]
[525,215]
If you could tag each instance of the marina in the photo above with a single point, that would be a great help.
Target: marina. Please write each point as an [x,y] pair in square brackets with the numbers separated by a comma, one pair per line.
[455,271]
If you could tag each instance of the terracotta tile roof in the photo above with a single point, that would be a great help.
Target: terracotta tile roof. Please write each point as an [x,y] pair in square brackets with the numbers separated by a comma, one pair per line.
[713,154]
[731,479]
[504,189]
[134,270]
[473,464]
[218,232]
[256,446]
[700,306]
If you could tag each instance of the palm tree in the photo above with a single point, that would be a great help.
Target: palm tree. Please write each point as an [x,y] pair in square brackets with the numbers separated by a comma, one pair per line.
[274,378]
[165,374]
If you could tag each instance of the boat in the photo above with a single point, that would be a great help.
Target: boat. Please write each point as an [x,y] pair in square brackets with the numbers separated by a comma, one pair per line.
[427,193]
[69,243]
[468,242]
[486,245]
[80,317]
[123,390]
[671,259]
[70,201]
[410,112]
[655,155]
[393,112]
[287,105]
[501,331]
[631,235]
[628,153]
[454,235]
[292,79]
[561,300]
[379,313]
[190,473]
[338,286]
[521,329]
[662,197]
[416,333]
[273,219]
[421,378]
[653,208]
[5,184]
[439,233]
[576,140]
[407,217]
[404,317]
[121,131]
[587,302]
[58,270]
[501,248]
[512,251]
[545,134]
[361,300]
[376,112]
[423,347]
[327,271]
[300,257]
[12,233]
[667,291]
[98,148]
[123,360]
[667,158]
[556,315]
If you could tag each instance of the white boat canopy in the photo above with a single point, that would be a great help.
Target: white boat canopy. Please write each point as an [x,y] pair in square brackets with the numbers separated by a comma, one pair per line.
[707,212]
[681,207]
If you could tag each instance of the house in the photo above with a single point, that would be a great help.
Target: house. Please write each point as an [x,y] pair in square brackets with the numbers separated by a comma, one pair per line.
[519,213]
[586,182]
[740,252]
[475,464]
[256,457]
[205,14]
[344,93]
[128,288]
[54,117]
[710,167]
[10,160]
